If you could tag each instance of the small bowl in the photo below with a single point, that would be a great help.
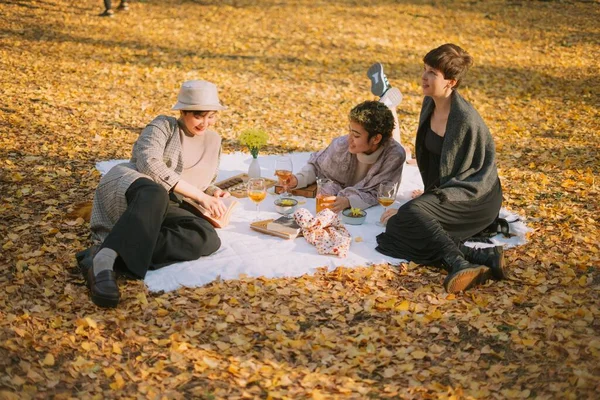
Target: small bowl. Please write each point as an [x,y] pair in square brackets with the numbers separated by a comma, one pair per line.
[285,206]
[347,218]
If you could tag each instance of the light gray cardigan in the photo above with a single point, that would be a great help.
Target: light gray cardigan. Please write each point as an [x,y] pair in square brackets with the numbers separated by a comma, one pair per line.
[156,155]
[468,160]
[339,165]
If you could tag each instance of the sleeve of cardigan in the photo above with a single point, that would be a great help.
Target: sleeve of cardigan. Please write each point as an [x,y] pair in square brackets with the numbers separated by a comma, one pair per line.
[149,149]
[306,176]
[364,193]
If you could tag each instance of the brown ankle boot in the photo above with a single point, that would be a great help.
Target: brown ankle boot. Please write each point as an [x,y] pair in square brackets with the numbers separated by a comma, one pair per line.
[492,257]
[463,275]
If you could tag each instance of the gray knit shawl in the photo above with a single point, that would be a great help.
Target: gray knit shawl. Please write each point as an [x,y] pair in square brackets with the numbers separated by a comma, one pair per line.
[467,165]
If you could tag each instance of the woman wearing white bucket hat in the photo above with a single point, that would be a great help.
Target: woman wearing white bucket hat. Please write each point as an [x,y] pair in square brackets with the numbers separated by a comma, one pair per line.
[137,223]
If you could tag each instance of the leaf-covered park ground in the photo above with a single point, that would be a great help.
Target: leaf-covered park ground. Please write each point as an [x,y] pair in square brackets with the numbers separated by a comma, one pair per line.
[76,88]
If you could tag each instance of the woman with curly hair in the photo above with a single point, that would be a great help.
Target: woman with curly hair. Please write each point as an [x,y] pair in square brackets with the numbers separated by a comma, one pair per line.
[355,164]
[457,161]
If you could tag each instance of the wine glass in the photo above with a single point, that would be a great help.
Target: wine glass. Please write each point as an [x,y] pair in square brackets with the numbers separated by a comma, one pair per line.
[386,195]
[283,170]
[257,191]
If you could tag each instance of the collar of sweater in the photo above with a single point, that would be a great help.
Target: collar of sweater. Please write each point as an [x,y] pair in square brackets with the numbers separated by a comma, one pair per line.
[369,158]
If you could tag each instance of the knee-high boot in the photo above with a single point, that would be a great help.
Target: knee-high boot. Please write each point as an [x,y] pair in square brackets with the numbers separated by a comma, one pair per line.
[492,257]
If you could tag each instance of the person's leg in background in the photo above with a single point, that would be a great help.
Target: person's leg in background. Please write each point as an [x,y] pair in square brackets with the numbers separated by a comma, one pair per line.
[108,11]
[390,96]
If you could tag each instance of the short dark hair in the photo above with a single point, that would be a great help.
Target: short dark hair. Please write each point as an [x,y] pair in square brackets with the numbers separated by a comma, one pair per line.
[197,113]
[453,61]
[375,117]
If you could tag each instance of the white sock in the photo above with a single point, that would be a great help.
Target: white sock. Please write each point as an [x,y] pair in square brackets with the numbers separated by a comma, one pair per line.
[104,259]
[392,97]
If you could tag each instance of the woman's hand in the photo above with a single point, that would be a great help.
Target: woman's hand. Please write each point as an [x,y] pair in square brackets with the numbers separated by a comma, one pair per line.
[221,193]
[416,193]
[389,213]
[340,204]
[289,183]
[213,204]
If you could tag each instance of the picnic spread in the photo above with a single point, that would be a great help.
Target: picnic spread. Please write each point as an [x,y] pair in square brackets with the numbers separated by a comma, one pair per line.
[248,252]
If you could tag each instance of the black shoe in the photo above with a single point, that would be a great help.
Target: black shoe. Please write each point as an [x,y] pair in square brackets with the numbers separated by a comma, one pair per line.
[123,6]
[379,82]
[85,260]
[463,275]
[107,13]
[103,288]
[492,257]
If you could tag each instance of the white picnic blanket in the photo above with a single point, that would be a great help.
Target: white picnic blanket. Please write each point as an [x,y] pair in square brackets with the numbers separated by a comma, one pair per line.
[254,254]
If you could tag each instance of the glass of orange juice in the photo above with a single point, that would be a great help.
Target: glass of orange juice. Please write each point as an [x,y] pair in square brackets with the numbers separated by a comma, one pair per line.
[283,170]
[324,199]
[257,191]
[386,195]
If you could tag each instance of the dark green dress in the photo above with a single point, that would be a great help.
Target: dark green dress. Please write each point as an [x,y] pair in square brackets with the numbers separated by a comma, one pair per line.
[459,201]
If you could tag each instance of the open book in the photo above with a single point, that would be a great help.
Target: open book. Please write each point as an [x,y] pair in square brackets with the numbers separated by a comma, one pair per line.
[197,209]
[285,225]
[262,226]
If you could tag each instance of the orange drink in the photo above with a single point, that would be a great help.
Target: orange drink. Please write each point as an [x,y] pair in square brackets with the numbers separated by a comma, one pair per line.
[257,195]
[386,194]
[257,191]
[283,174]
[385,201]
[324,202]
[283,170]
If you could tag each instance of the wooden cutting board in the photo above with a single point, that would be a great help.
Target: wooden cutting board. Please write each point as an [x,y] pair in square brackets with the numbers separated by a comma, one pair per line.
[236,185]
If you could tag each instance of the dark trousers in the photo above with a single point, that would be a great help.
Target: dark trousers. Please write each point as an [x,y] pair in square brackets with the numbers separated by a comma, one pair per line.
[154,232]
[426,229]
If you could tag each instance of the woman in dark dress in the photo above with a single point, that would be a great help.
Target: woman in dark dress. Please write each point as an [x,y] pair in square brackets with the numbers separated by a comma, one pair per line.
[456,157]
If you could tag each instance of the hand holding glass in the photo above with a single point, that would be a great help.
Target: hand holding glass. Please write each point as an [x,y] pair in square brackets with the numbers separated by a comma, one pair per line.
[257,191]
[386,195]
[283,170]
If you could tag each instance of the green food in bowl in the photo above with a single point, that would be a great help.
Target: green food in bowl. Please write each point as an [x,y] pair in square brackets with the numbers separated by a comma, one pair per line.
[285,206]
[353,218]
[287,202]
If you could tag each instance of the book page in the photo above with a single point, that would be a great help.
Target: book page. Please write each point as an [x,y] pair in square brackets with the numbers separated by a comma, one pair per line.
[230,204]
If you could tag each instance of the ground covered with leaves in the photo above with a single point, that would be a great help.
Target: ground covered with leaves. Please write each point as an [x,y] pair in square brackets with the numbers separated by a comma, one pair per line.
[76,89]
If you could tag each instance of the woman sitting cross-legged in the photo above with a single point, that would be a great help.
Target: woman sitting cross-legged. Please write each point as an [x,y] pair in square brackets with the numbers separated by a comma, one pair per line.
[456,157]
[137,222]
[358,162]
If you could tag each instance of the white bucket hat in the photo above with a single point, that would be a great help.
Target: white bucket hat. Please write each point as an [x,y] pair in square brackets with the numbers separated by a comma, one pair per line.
[198,96]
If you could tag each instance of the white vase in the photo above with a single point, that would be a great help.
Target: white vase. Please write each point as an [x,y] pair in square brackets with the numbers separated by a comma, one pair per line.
[254,169]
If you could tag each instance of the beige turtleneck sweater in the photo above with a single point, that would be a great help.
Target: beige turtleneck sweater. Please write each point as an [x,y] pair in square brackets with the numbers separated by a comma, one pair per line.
[201,155]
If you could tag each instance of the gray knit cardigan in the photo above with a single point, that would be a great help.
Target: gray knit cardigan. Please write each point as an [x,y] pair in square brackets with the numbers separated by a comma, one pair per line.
[468,160]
